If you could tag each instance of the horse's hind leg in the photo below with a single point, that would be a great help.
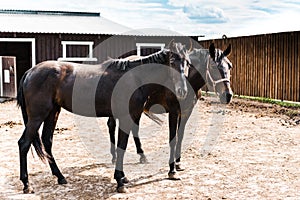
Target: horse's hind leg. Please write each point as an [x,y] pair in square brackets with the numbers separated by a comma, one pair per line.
[138,144]
[47,138]
[29,134]
[111,123]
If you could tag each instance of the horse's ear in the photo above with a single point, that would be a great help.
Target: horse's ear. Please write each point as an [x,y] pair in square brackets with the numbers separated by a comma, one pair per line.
[191,46]
[171,43]
[227,51]
[212,51]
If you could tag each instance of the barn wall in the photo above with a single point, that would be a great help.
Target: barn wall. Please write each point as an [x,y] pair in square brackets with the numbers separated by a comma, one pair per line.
[49,47]
[265,65]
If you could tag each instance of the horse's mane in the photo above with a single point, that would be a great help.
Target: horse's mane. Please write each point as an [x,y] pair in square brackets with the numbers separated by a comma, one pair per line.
[124,64]
[120,64]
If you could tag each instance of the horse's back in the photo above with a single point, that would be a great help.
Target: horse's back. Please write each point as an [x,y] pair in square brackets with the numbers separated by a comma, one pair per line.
[42,82]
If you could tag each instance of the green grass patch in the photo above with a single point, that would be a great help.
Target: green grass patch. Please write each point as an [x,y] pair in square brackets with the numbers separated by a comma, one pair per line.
[286,104]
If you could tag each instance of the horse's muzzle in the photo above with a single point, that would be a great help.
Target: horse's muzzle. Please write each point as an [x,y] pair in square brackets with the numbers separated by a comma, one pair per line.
[226,97]
[181,93]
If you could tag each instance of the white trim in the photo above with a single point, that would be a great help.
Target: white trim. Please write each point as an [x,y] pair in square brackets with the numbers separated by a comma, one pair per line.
[139,45]
[32,40]
[85,43]
[74,59]
[77,43]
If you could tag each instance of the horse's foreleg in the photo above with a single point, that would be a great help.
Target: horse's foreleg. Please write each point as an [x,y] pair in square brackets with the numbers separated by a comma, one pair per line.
[173,116]
[180,134]
[138,144]
[119,173]
[111,123]
[47,139]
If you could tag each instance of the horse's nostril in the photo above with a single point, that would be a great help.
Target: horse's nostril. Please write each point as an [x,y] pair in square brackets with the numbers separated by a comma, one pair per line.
[181,92]
[228,97]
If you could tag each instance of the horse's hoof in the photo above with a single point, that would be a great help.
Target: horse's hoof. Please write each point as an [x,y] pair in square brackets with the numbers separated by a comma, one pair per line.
[28,190]
[62,181]
[179,168]
[122,189]
[143,159]
[172,176]
[125,180]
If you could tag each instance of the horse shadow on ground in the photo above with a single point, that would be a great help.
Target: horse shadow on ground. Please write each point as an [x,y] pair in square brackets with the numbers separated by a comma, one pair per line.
[84,182]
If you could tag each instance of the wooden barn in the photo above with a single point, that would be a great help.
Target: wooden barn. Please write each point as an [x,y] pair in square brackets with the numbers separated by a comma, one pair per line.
[35,36]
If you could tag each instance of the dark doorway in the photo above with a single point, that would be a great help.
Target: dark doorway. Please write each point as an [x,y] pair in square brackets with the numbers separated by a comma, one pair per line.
[22,52]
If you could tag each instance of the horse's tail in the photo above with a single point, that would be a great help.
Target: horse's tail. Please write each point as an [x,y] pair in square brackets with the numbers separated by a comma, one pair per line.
[21,99]
[153,117]
[36,142]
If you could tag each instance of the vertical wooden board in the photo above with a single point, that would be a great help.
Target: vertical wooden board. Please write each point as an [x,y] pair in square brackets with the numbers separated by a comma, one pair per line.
[297,64]
[270,52]
[275,66]
[260,84]
[246,69]
[256,66]
[58,48]
[280,67]
[267,70]
[241,75]
[232,58]
[251,62]
[291,63]
[294,67]
[243,67]
[287,67]
[286,70]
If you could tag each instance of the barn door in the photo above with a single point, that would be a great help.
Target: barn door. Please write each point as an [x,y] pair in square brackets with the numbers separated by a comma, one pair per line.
[8,77]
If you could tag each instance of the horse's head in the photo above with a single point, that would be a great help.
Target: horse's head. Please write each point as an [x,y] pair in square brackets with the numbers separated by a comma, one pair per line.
[179,60]
[218,73]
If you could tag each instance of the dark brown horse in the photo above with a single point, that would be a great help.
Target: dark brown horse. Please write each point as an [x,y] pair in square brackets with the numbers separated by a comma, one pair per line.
[208,66]
[90,90]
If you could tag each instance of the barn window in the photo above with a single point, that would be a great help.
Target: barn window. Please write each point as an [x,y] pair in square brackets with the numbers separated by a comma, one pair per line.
[77,51]
[148,47]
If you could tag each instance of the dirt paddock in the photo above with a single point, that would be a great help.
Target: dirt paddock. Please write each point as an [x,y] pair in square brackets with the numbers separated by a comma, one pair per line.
[245,150]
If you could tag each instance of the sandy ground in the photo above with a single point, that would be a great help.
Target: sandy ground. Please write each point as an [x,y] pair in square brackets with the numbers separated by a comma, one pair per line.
[245,150]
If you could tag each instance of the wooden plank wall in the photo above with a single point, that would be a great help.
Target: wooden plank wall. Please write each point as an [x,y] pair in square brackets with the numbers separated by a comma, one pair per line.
[264,65]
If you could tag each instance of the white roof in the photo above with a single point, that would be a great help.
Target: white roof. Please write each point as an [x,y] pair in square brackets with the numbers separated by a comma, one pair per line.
[57,22]
[29,21]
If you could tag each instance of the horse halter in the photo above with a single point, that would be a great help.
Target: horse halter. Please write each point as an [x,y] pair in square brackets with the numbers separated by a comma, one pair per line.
[208,75]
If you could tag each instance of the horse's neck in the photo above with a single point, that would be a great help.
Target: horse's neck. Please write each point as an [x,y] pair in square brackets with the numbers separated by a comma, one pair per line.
[197,71]
[195,78]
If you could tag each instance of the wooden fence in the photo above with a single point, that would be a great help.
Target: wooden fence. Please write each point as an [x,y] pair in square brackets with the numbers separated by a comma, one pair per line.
[264,65]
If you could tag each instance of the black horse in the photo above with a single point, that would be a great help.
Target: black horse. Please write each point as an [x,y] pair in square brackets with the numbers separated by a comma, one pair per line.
[208,66]
[90,90]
